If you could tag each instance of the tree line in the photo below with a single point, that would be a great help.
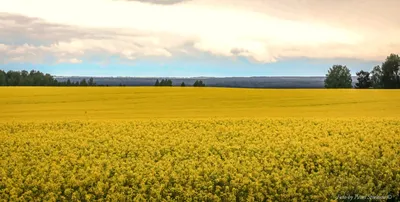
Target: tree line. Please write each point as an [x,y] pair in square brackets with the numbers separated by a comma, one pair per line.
[385,76]
[168,82]
[37,78]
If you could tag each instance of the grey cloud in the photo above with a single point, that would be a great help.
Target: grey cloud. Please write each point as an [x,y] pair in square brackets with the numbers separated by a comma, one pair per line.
[238,51]
[34,40]
[18,30]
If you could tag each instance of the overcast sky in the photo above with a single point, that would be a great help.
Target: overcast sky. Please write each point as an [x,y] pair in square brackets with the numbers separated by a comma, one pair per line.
[196,37]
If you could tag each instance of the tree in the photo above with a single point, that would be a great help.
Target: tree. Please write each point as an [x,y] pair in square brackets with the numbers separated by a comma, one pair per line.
[169,82]
[3,78]
[68,82]
[91,82]
[376,77]
[183,84]
[165,82]
[162,83]
[48,80]
[24,81]
[390,72]
[83,82]
[338,76]
[199,83]
[25,78]
[363,80]
[12,78]
[157,83]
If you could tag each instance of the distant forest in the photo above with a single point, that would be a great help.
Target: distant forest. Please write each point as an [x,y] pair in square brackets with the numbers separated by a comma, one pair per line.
[386,76]
[37,78]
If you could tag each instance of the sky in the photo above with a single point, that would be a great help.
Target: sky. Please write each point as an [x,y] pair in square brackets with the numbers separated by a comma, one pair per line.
[187,38]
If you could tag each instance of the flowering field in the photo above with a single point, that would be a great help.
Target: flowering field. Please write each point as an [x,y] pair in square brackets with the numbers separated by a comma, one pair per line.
[127,103]
[60,144]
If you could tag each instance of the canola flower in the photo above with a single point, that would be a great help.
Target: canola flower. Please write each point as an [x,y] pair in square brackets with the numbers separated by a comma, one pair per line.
[268,159]
[127,103]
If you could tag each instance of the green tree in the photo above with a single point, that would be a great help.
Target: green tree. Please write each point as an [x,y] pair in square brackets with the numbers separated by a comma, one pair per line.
[165,82]
[390,72]
[363,79]
[68,83]
[199,83]
[183,84]
[24,81]
[157,83]
[376,77]
[162,83]
[338,76]
[37,78]
[169,82]
[83,82]
[91,82]
[48,80]
[13,78]
[61,83]
[3,78]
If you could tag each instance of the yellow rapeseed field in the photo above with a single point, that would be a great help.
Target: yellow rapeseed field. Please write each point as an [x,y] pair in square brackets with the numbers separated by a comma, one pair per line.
[106,103]
[198,144]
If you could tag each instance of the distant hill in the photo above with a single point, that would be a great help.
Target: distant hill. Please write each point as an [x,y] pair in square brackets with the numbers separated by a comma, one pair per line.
[239,82]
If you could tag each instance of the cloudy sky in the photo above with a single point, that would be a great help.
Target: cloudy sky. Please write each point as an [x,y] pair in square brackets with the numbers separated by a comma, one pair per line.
[196,37]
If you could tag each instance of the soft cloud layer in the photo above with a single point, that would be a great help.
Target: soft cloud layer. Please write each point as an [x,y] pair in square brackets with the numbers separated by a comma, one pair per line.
[162,2]
[32,40]
[72,31]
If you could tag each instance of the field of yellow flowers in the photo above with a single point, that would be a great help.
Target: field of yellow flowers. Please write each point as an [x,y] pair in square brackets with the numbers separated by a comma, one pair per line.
[127,103]
[198,144]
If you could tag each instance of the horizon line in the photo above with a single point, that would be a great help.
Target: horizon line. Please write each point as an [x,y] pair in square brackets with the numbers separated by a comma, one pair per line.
[184,77]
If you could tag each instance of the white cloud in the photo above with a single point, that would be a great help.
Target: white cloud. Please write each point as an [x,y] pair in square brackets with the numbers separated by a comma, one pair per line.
[264,31]
[72,60]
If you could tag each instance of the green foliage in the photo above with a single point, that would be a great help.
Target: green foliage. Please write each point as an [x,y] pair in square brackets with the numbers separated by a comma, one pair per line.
[166,82]
[3,78]
[25,78]
[91,82]
[376,77]
[157,83]
[385,76]
[37,78]
[390,72]
[169,82]
[199,83]
[183,84]
[338,77]
[83,83]
[363,80]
